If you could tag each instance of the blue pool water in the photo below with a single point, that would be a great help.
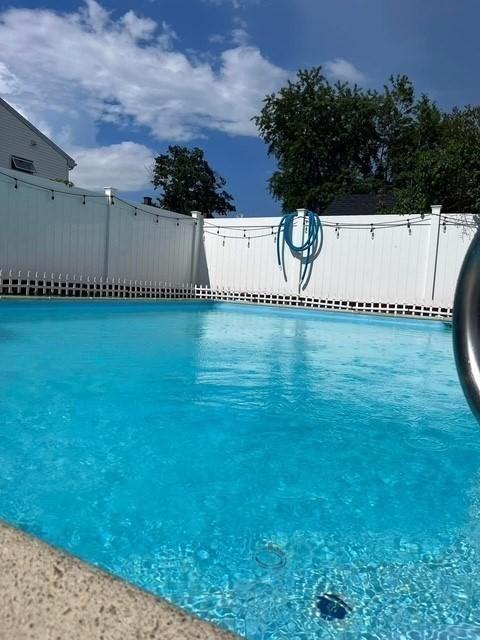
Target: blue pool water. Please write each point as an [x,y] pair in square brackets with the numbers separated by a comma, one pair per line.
[241,461]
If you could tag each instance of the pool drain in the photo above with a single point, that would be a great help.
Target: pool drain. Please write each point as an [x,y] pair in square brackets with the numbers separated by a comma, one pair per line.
[271,556]
[332,607]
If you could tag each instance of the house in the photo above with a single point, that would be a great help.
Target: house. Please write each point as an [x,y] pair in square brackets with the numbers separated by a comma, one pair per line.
[360,204]
[24,148]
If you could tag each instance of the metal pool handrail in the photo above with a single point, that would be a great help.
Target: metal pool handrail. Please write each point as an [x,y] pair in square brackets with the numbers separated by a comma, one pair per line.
[466,325]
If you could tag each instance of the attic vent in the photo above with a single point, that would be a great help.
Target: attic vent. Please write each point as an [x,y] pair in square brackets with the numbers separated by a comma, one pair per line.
[21,164]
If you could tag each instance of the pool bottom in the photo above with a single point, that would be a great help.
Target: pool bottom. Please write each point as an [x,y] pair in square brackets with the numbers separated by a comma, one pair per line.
[421,593]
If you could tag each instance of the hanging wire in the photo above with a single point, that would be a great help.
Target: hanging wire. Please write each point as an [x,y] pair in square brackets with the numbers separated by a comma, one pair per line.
[420,219]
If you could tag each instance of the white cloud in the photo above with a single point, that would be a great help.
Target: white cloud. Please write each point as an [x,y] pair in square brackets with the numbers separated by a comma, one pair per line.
[72,70]
[217,38]
[343,70]
[138,27]
[126,165]
[240,37]
[8,82]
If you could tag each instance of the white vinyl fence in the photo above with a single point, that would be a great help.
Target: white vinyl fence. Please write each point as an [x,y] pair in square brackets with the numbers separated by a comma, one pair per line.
[47,227]
[383,258]
[52,233]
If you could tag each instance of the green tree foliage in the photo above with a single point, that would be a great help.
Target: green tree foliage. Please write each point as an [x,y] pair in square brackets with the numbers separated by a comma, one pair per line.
[334,139]
[188,183]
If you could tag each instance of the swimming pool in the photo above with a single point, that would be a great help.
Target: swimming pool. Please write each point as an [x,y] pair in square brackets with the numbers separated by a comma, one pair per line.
[241,461]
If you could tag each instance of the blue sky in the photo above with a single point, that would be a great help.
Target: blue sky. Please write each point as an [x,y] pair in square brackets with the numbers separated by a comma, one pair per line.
[115,82]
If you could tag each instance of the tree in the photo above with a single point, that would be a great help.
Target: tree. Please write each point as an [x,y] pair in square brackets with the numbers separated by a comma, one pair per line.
[322,137]
[333,139]
[188,183]
[449,173]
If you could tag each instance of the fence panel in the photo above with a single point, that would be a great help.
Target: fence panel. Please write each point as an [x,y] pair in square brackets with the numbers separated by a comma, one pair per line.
[400,264]
[50,231]
[454,238]
[147,246]
[48,227]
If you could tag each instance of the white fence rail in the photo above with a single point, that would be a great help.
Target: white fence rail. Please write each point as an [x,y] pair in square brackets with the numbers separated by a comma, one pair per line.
[415,265]
[47,227]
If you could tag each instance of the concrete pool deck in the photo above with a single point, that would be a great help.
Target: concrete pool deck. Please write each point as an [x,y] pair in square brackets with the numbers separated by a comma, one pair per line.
[46,594]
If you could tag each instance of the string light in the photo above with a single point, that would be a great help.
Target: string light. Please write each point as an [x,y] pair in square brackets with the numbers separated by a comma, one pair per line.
[248,244]
[78,195]
[421,218]
[156,220]
[223,243]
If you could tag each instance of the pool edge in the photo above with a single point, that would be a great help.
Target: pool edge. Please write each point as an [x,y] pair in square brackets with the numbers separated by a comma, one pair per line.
[47,593]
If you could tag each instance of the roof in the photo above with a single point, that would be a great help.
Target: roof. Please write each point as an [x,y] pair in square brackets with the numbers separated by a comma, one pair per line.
[359,204]
[70,161]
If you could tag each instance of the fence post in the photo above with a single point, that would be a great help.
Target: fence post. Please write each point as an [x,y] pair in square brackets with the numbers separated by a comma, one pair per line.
[432,254]
[110,193]
[197,240]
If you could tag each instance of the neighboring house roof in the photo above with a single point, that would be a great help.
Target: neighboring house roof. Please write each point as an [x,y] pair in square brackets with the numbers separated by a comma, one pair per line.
[359,204]
[70,161]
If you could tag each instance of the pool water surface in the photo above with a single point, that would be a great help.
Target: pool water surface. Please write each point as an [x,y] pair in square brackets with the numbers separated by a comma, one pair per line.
[242,461]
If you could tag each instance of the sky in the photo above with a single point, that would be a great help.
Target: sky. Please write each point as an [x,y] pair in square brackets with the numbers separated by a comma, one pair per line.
[114,82]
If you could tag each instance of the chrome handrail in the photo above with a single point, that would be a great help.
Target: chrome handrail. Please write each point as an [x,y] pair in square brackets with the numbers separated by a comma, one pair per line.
[466,325]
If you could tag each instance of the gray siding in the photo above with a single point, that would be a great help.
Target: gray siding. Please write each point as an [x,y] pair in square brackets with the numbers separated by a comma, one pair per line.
[17,139]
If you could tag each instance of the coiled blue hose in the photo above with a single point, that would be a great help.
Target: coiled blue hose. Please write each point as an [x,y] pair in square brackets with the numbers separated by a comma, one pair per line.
[308,250]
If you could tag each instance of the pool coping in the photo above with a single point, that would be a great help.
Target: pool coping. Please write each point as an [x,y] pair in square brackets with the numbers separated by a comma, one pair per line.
[47,594]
